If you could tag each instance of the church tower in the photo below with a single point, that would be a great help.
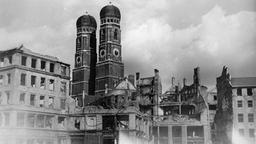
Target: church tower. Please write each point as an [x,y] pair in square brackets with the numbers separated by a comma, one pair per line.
[109,68]
[84,72]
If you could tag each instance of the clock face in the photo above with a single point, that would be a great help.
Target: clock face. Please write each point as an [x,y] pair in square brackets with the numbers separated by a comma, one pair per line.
[116,52]
[102,53]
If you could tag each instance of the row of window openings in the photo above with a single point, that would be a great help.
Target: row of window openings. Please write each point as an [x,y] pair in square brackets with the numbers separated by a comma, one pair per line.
[249,91]
[109,20]
[240,103]
[32,120]
[103,34]
[42,101]
[34,63]
[251,132]
[250,117]
[42,83]
[32,100]
[8,79]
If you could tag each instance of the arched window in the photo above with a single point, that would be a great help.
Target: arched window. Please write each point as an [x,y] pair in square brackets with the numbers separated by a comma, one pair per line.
[115,34]
[102,34]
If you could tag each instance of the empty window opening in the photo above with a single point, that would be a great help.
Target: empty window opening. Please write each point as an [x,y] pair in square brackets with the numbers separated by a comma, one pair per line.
[109,141]
[20,119]
[33,81]
[215,97]
[40,121]
[8,78]
[33,63]
[77,123]
[23,79]
[239,91]
[61,121]
[176,131]
[108,123]
[250,103]
[10,59]
[48,122]
[42,83]
[51,102]
[63,70]
[123,121]
[239,103]
[8,97]
[212,107]
[32,99]
[163,131]
[43,65]
[51,84]
[250,117]
[30,120]
[240,118]
[24,60]
[249,91]
[22,98]
[51,67]
[195,131]
[41,101]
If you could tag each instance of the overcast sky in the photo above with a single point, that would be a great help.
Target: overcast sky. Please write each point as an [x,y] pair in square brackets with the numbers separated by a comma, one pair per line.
[173,36]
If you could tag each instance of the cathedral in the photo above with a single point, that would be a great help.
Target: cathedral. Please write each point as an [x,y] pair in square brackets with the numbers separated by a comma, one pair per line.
[92,77]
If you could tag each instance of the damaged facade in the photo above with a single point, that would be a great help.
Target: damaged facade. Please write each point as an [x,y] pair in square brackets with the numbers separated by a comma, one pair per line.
[34,91]
[185,115]
[235,115]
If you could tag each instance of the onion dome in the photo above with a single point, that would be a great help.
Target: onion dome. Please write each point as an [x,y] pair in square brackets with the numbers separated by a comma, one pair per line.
[86,20]
[110,11]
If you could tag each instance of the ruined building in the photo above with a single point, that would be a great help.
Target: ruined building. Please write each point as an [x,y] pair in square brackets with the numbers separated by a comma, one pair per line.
[235,115]
[185,115]
[34,91]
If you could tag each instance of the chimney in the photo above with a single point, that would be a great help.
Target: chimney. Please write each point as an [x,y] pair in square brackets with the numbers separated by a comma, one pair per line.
[173,80]
[137,75]
[137,79]
[156,72]
[131,79]
[197,76]
[184,82]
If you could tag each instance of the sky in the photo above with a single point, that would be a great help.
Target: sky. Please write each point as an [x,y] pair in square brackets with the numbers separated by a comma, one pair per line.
[173,36]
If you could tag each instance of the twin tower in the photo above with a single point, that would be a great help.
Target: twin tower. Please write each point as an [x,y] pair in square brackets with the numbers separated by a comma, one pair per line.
[92,77]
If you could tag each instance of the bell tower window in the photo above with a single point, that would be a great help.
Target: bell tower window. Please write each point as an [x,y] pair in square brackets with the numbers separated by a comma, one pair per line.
[115,34]
[102,34]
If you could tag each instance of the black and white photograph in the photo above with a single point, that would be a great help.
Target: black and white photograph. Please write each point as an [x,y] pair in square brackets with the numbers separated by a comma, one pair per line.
[127,71]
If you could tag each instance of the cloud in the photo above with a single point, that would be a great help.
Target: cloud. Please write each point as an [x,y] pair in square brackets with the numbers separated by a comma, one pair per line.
[172,35]
[218,40]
